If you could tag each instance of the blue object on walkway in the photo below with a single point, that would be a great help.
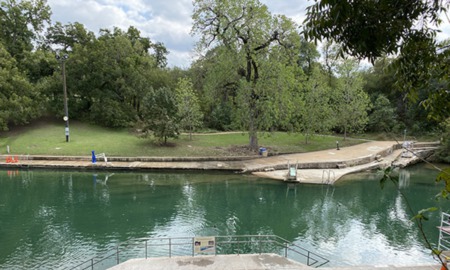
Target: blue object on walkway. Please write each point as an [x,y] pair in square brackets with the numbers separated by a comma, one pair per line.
[262,150]
[94,159]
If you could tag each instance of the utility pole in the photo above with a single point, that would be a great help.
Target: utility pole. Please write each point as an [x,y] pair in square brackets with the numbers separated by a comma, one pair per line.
[62,59]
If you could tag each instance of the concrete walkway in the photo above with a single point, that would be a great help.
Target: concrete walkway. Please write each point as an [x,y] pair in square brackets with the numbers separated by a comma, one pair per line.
[242,262]
[353,155]
[321,167]
[327,167]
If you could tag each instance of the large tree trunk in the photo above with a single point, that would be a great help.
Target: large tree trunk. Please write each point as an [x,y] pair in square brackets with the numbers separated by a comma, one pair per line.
[253,115]
[252,125]
[253,130]
[253,136]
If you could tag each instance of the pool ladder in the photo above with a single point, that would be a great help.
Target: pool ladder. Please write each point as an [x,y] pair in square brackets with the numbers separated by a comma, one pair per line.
[328,176]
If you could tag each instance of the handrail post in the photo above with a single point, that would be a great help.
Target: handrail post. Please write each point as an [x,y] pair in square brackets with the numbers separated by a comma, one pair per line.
[170,247]
[193,247]
[259,245]
[307,259]
[239,247]
[117,253]
[146,249]
[285,249]
[92,263]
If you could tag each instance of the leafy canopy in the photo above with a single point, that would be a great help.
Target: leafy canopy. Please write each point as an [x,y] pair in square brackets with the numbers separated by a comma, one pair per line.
[370,29]
[375,28]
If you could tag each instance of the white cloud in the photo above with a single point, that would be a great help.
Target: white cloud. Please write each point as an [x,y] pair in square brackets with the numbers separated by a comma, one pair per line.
[295,10]
[166,21]
[445,28]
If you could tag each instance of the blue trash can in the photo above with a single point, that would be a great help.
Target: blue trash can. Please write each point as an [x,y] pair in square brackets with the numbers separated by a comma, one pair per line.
[262,151]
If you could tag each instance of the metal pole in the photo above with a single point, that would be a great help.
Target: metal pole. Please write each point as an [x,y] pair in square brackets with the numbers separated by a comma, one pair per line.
[239,246]
[66,109]
[117,254]
[146,249]
[170,247]
[259,245]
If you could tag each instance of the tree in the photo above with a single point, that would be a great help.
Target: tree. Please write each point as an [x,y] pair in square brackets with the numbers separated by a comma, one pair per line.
[159,114]
[107,77]
[316,115]
[247,28]
[444,152]
[382,118]
[216,76]
[66,36]
[19,102]
[21,23]
[160,53]
[330,52]
[188,106]
[380,80]
[308,56]
[373,29]
[424,63]
[352,102]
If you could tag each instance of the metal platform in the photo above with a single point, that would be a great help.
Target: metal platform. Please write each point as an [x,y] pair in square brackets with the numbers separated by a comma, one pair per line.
[222,262]
[243,262]
[194,249]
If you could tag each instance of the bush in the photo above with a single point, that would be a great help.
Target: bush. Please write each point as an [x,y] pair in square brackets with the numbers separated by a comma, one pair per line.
[220,118]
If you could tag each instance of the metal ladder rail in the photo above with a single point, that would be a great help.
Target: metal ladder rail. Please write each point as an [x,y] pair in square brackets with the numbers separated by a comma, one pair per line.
[444,235]
[327,179]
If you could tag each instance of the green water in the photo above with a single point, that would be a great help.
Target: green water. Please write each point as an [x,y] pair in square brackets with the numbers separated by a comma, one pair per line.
[56,219]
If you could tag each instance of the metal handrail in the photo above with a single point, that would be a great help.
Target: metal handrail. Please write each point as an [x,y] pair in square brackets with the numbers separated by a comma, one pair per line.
[327,179]
[444,235]
[184,246]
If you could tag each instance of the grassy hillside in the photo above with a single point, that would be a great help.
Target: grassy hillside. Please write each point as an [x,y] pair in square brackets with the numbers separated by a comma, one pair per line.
[48,138]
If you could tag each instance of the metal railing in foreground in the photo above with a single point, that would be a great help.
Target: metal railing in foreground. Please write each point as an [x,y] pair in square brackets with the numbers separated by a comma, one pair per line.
[185,246]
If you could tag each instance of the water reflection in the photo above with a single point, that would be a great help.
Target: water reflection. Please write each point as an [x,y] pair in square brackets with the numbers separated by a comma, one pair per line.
[404,177]
[58,218]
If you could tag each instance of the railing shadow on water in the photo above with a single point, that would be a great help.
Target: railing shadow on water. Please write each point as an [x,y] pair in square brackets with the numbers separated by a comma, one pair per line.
[184,246]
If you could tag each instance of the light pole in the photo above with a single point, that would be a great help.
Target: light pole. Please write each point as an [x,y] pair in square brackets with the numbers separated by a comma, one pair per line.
[62,59]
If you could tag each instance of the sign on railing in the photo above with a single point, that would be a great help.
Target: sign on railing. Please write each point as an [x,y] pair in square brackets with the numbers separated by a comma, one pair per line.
[205,245]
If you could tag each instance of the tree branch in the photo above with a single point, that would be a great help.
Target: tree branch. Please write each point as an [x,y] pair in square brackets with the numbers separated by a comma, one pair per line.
[274,37]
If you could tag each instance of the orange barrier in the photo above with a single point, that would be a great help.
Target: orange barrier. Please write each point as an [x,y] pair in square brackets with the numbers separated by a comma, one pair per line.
[11,159]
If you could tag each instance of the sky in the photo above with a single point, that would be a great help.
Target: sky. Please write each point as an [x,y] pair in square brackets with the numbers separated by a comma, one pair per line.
[166,21]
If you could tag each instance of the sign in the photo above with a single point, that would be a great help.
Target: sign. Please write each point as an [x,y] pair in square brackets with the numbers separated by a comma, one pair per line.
[205,245]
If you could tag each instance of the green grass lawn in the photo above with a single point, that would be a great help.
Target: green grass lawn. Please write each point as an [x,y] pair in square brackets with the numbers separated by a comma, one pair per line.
[49,139]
